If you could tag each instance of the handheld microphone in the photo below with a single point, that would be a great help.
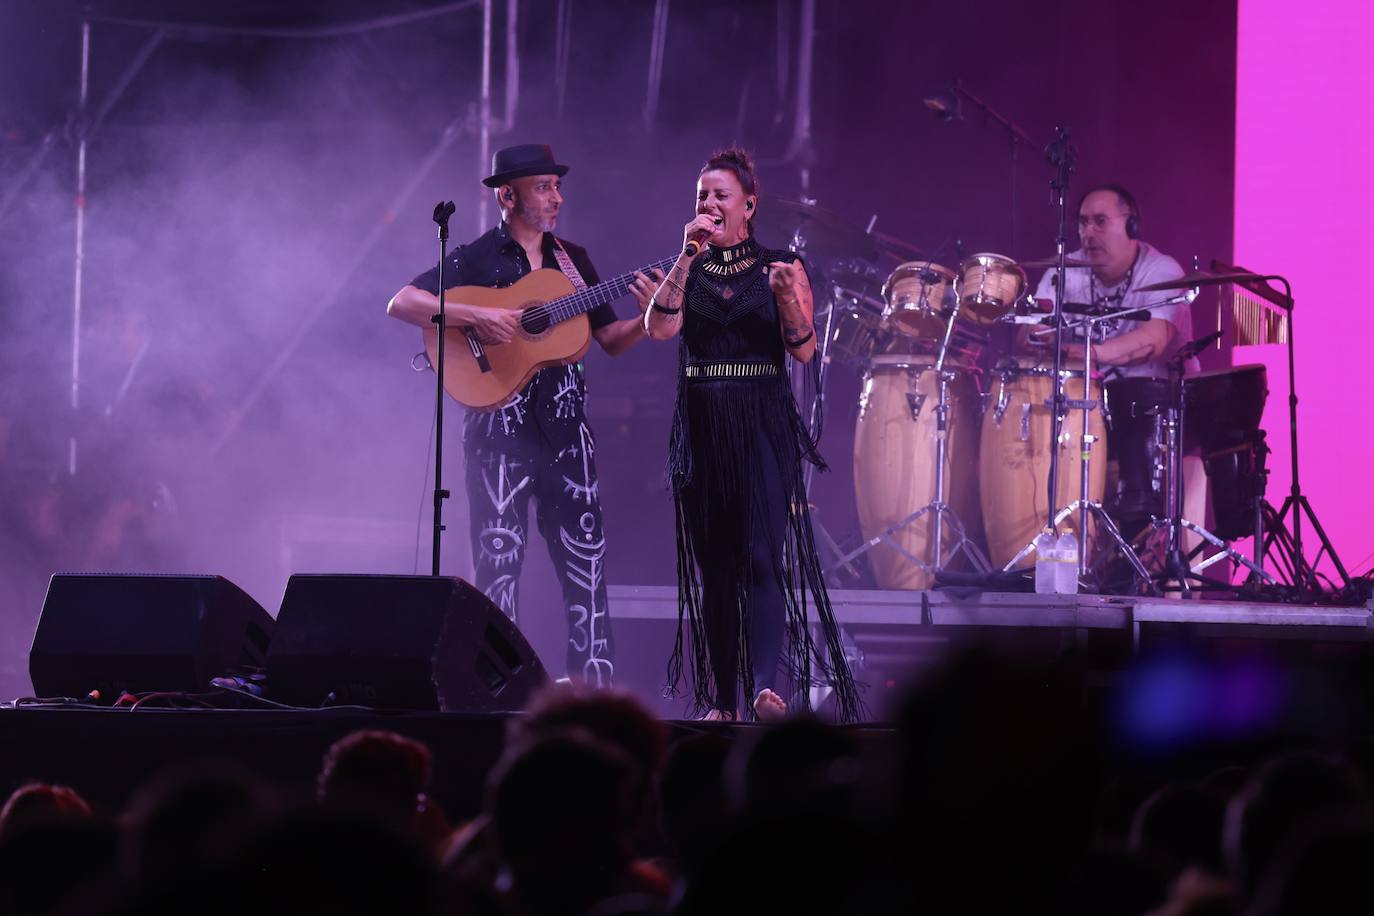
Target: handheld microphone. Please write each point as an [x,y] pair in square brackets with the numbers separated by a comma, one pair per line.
[693,246]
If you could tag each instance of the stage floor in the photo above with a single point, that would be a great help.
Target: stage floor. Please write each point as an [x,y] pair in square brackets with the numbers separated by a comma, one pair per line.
[934,609]
[894,637]
[895,634]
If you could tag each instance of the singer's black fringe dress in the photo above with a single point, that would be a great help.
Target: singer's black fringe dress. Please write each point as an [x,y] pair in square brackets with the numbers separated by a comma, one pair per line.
[748,573]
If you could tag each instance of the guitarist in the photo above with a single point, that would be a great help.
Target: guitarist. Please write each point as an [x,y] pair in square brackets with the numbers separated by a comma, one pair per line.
[538,443]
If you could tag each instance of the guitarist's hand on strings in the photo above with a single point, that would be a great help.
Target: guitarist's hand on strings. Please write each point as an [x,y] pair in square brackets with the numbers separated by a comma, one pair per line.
[644,286]
[493,326]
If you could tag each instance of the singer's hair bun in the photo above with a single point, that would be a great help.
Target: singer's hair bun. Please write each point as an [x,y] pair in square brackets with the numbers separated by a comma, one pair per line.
[737,161]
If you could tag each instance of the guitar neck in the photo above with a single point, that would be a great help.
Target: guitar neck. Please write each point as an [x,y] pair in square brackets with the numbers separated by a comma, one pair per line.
[585,300]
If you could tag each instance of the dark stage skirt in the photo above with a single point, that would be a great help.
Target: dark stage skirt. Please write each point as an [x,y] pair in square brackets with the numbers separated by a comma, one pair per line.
[744,538]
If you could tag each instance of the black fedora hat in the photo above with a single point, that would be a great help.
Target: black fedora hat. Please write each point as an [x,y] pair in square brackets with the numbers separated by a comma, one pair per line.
[520,161]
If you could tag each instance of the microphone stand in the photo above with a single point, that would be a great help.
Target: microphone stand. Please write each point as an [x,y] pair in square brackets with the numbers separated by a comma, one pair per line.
[442,211]
[1061,155]
[950,108]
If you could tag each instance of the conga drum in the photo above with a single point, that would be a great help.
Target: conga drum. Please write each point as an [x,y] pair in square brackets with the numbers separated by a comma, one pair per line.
[916,294]
[894,462]
[989,286]
[1015,459]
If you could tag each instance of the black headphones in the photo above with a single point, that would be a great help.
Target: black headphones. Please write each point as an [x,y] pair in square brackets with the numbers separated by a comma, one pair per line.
[1127,198]
[748,205]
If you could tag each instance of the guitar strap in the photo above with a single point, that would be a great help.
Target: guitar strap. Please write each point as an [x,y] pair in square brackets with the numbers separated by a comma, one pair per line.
[566,265]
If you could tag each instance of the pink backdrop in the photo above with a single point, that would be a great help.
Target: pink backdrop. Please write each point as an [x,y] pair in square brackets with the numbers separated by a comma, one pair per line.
[1305,209]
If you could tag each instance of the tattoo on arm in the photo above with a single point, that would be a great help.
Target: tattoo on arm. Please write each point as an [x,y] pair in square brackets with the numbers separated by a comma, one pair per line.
[667,318]
[795,312]
[671,290]
[795,335]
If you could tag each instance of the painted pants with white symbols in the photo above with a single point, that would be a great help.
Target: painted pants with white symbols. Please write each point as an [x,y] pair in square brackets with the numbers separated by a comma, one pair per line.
[539,446]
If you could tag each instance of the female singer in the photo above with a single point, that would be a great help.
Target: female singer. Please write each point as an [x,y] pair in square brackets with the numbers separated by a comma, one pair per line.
[747,564]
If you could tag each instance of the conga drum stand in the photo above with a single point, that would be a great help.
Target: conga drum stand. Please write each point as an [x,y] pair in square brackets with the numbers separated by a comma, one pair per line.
[1085,505]
[945,515]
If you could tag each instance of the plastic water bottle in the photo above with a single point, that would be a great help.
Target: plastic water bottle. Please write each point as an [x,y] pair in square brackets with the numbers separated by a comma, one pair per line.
[1046,561]
[1066,575]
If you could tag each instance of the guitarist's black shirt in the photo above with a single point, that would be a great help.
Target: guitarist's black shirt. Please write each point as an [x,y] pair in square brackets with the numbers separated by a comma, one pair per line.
[495,259]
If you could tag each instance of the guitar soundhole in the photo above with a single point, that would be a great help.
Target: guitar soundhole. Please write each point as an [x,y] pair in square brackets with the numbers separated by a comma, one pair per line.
[534,320]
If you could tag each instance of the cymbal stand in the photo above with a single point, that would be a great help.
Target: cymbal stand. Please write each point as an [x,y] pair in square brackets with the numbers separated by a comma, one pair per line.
[944,513]
[1304,578]
[1085,505]
[797,245]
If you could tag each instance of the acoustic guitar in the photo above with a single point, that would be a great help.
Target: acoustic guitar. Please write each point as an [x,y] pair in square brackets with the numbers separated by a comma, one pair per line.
[554,330]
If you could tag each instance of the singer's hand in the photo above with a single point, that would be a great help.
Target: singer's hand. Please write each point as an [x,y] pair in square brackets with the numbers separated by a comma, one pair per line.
[698,231]
[782,277]
[643,287]
[494,326]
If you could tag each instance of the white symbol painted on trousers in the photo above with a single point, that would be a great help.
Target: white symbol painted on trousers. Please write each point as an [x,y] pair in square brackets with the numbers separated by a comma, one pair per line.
[502,593]
[598,672]
[588,621]
[511,414]
[585,491]
[566,398]
[579,638]
[501,544]
[589,577]
[503,494]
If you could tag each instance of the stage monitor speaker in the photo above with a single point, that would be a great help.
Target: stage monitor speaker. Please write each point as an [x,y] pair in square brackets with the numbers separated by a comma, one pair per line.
[143,633]
[398,642]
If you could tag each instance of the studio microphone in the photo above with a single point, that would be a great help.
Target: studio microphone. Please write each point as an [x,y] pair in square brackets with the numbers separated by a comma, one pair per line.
[1193,348]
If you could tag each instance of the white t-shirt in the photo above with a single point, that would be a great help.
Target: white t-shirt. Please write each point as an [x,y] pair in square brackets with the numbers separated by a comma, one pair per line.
[1151,266]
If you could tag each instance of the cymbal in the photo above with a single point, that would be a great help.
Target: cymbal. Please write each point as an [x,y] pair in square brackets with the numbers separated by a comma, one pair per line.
[1053,262]
[902,250]
[826,232]
[1198,278]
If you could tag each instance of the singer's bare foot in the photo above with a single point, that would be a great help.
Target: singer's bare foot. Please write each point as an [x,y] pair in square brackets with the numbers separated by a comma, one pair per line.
[717,715]
[769,707]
